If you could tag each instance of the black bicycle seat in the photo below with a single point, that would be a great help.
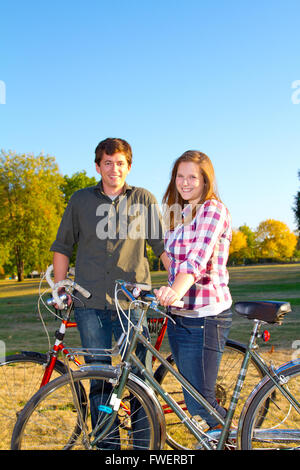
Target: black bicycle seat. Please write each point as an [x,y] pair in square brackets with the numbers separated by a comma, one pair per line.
[264,310]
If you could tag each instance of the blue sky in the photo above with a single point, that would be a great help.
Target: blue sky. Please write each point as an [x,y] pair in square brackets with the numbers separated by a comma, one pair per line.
[168,76]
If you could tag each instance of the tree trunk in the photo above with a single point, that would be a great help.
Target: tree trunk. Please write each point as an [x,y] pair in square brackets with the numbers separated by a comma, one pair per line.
[20,265]
[20,269]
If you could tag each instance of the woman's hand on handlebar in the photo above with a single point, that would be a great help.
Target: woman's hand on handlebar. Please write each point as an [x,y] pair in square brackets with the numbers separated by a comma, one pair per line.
[166,295]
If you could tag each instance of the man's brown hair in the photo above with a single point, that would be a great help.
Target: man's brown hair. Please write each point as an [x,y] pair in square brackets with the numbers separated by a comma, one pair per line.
[111,146]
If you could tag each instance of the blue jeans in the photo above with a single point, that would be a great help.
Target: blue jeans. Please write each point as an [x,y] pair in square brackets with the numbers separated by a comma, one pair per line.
[96,328]
[197,345]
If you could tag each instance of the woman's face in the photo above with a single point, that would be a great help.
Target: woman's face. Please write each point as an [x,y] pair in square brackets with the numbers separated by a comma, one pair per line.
[189,182]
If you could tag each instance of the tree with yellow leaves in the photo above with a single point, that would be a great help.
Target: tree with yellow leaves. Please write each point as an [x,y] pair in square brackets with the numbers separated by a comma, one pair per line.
[237,246]
[275,240]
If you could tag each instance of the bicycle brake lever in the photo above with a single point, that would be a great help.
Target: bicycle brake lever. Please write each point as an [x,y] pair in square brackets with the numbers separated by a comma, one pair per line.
[50,302]
[154,307]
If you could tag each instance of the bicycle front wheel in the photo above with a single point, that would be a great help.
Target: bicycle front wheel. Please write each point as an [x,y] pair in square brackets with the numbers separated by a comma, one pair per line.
[20,378]
[280,428]
[48,420]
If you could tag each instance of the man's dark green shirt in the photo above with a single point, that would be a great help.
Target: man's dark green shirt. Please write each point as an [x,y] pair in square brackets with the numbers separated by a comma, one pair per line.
[111,238]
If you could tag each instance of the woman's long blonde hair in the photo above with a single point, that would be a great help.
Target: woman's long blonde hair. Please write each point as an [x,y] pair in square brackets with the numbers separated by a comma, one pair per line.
[172,199]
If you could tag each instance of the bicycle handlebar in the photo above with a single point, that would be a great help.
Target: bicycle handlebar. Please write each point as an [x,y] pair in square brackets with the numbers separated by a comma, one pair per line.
[60,284]
[138,290]
[51,302]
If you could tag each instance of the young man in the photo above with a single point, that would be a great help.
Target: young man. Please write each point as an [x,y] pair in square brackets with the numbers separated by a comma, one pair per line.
[110,223]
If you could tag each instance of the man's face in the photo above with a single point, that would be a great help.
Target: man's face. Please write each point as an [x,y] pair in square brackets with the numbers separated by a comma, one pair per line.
[114,170]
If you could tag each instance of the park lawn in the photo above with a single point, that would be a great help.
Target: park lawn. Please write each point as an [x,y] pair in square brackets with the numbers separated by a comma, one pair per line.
[21,327]
[263,282]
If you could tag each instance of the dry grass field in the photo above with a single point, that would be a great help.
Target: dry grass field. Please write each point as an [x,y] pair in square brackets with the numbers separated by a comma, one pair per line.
[21,329]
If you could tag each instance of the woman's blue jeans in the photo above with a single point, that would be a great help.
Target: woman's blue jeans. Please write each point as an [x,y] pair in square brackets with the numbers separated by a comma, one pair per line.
[197,345]
[96,328]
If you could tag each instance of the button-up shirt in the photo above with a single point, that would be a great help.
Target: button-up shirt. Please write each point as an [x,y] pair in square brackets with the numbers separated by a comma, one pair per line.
[111,238]
[201,247]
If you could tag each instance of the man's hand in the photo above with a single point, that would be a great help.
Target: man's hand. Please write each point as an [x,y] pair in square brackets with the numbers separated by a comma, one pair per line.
[68,300]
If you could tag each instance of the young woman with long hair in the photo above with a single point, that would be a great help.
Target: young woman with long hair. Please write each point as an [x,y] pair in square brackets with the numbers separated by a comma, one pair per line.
[197,244]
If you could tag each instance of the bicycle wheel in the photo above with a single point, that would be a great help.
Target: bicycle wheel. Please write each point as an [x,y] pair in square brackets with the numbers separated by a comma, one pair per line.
[20,378]
[281,426]
[178,437]
[49,418]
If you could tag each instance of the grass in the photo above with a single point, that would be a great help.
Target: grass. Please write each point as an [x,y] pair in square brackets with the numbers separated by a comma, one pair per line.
[264,282]
[20,323]
[21,327]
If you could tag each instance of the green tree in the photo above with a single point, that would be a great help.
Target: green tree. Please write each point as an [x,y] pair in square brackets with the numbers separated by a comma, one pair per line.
[78,180]
[296,207]
[249,253]
[69,186]
[31,208]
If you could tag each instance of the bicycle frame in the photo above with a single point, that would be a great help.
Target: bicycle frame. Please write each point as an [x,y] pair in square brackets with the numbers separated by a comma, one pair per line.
[57,347]
[131,359]
[279,382]
[60,347]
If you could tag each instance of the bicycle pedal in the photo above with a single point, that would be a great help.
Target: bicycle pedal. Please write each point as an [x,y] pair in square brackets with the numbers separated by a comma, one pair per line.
[200,423]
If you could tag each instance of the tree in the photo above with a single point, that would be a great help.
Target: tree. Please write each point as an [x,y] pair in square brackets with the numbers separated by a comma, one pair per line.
[237,245]
[296,207]
[31,208]
[70,184]
[250,251]
[78,180]
[155,263]
[275,240]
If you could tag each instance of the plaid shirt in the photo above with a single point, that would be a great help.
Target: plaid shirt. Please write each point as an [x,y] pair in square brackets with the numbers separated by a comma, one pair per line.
[201,248]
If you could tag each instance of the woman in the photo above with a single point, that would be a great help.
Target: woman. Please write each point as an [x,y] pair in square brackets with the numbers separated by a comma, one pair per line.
[197,245]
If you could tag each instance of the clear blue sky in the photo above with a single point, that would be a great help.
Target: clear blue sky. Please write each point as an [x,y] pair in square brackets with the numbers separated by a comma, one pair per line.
[168,76]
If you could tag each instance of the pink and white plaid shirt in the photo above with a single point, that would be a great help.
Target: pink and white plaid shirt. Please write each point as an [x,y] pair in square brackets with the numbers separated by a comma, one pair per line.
[201,248]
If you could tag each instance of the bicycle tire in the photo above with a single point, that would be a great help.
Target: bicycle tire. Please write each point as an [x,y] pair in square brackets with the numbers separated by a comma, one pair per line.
[232,357]
[20,377]
[281,426]
[50,416]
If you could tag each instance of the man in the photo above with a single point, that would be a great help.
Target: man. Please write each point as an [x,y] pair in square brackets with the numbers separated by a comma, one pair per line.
[110,223]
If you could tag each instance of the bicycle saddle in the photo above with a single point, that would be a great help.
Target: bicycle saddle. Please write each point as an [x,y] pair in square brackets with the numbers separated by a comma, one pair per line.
[265,310]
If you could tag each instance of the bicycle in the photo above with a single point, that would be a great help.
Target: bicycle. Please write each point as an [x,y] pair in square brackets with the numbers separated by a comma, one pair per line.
[50,416]
[21,375]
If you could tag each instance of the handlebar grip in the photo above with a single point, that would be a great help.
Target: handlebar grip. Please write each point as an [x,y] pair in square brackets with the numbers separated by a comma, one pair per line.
[68,282]
[48,276]
[82,291]
[178,303]
[144,287]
